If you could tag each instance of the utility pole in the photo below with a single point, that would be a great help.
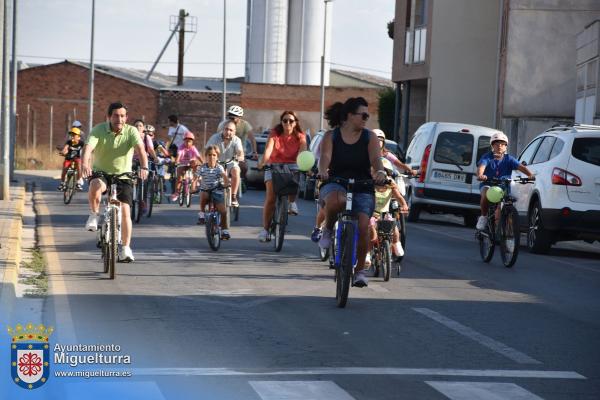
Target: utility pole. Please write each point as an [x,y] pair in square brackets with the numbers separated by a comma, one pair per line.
[182,15]
[51,126]
[323,67]
[13,98]
[224,58]
[5,105]
[91,79]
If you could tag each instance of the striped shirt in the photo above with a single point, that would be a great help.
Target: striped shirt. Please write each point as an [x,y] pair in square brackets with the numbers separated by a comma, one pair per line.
[210,176]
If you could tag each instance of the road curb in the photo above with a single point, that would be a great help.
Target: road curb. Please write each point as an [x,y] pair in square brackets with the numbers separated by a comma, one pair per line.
[11,228]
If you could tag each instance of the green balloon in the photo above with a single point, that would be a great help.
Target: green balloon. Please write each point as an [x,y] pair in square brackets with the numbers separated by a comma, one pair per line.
[495,194]
[305,160]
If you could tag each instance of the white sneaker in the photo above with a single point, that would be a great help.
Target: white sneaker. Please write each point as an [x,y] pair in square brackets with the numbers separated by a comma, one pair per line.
[368,260]
[397,249]
[263,235]
[481,223]
[92,223]
[293,208]
[126,254]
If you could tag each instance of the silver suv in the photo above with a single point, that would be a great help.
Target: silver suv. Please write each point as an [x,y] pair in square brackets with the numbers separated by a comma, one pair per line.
[446,156]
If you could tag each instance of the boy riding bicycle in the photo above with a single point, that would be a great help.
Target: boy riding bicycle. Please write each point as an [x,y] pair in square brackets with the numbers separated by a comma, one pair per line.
[72,153]
[212,174]
[496,164]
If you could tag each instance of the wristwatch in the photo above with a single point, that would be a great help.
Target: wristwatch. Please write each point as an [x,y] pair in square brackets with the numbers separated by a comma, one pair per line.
[146,168]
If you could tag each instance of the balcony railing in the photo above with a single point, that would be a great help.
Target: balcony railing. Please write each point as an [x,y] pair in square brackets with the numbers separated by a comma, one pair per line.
[415,46]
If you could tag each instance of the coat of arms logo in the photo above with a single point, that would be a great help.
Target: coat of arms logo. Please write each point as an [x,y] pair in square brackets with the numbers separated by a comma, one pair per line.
[30,355]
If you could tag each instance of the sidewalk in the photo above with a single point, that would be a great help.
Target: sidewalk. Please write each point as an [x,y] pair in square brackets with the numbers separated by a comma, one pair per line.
[11,223]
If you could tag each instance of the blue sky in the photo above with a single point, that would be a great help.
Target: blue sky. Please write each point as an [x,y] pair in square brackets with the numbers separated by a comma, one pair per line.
[136,30]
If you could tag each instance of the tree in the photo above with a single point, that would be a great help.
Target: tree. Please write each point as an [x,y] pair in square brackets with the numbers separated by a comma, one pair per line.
[386,109]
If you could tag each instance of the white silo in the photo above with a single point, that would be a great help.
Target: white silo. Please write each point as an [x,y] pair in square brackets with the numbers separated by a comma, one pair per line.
[267,41]
[305,42]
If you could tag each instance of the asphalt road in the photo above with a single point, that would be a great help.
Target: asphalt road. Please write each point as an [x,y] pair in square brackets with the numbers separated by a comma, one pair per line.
[248,323]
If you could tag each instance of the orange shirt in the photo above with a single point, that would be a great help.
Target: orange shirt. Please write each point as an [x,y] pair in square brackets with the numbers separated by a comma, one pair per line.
[286,148]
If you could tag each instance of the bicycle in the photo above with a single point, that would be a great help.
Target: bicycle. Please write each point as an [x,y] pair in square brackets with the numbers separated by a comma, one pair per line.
[323,253]
[381,253]
[185,189]
[233,210]
[109,235]
[399,217]
[285,183]
[159,180]
[213,220]
[506,233]
[138,194]
[344,243]
[70,182]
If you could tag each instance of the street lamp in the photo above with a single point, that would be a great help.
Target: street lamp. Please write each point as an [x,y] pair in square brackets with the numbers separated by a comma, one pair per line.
[323,67]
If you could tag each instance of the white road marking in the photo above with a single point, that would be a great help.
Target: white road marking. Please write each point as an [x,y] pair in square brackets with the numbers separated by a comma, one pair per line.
[357,371]
[482,391]
[486,341]
[299,390]
[570,264]
[377,288]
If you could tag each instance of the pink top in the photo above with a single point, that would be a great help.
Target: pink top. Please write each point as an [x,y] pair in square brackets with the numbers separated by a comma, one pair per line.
[286,147]
[187,154]
[391,157]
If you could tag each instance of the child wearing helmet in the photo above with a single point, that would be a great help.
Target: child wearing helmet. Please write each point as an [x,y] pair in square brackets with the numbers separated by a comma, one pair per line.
[188,157]
[383,197]
[496,163]
[72,153]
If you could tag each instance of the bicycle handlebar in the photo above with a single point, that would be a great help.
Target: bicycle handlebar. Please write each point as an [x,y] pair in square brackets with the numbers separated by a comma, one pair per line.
[519,179]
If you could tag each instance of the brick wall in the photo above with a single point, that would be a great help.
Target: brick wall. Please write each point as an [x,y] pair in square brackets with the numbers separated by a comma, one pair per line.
[194,109]
[65,87]
[263,103]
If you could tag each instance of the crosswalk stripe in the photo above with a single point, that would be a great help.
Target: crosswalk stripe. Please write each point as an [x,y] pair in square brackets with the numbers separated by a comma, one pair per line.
[299,390]
[482,391]
[486,341]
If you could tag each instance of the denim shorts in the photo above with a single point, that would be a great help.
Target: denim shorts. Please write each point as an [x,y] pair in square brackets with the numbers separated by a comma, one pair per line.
[218,197]
[361,202]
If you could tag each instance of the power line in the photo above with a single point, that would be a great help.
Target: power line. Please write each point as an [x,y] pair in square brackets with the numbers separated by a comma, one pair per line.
[206,62]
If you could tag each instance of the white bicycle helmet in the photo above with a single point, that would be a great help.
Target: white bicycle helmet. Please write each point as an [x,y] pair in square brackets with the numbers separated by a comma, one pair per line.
[76,124]
[150,128]
[380,134]
[236,110]
[498,136]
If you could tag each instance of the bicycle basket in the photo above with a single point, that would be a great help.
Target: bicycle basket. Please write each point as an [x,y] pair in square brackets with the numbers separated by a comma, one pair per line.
[386,227]
[284,182]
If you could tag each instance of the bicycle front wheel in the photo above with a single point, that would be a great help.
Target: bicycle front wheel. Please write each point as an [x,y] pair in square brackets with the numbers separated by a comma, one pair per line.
[113,243]
[152,186]
[344,271]
[487,242]
[69,188]
[280,222]
[212,232]
[509,236]
[385,259]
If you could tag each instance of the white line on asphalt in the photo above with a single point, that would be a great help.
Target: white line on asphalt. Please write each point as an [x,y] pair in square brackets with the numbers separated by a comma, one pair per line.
[482,391]
[572,265]
[376,288]
[486,341]
[299,390]
[358,371]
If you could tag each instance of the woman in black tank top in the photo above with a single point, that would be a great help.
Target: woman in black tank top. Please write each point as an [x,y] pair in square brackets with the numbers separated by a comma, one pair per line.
[350,151]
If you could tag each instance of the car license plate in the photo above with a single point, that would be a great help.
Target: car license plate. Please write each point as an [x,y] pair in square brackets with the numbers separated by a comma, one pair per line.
[449,176]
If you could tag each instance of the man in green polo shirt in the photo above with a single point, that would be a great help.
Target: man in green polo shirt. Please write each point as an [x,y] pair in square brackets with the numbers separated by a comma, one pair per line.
[113,143]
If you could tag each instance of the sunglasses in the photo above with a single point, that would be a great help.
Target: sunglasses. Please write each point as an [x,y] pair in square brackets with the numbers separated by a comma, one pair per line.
[365,115]
[288,121]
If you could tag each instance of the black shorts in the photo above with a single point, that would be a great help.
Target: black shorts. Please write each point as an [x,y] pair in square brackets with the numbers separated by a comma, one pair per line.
[124,187]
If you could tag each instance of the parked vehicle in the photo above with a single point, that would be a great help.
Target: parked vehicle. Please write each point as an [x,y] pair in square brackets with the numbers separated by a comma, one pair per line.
[564,201]
[446,156]
[254,176]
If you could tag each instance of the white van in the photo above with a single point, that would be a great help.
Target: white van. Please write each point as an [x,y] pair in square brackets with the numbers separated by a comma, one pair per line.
[446,156]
